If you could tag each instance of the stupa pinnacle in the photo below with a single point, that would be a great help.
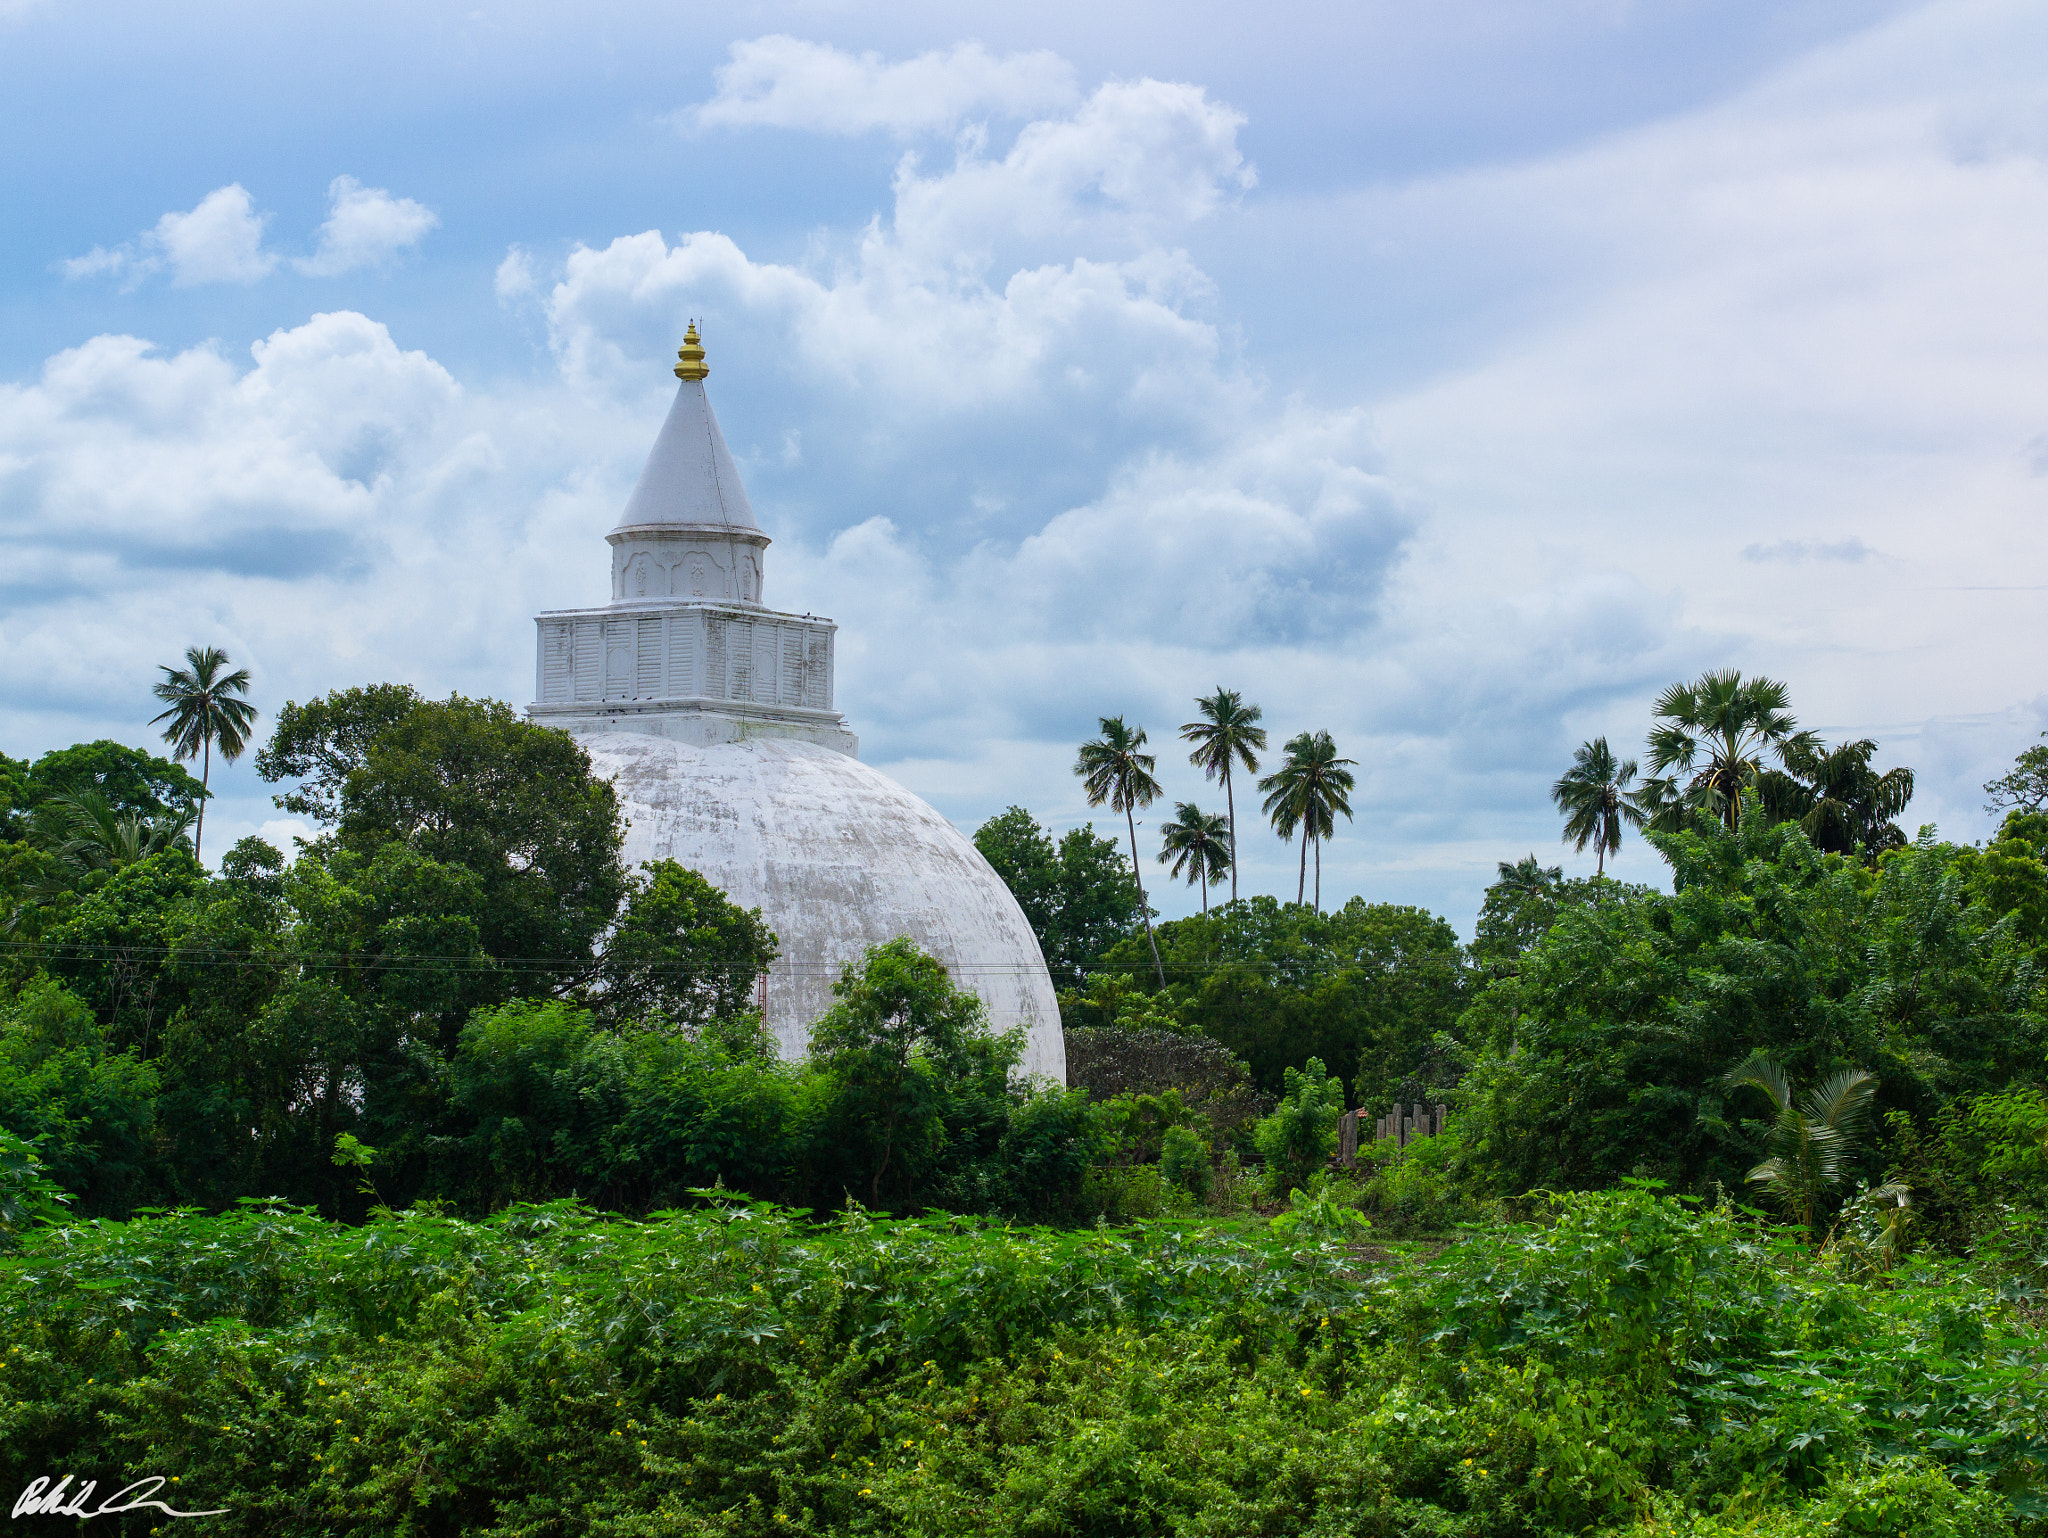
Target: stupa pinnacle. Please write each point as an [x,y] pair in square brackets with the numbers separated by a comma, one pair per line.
[685,642]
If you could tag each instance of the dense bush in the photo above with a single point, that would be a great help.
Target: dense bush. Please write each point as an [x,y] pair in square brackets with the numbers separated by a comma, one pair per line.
[1604,1055]
[1631,1366]
[1373,989]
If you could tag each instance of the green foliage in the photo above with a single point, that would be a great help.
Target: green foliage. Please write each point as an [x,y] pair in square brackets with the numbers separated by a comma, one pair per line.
[2025,789]
[128,778]
[1631,1366]
[681,951]
[1813,1139]
[1840,803]
[1602,1057]
[1425,1188]
[88,1111]
[1375,989]
[1301,1134]
[1527,900]
[1184,1161]
[910,1069]
[28,1196]
[1078,896]
[1594,796]
[1107,1061]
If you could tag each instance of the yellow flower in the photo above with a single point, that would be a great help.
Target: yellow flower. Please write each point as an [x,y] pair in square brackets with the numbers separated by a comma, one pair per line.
[867,1492]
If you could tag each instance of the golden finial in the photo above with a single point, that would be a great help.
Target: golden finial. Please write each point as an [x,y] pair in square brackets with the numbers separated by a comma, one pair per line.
[692,354]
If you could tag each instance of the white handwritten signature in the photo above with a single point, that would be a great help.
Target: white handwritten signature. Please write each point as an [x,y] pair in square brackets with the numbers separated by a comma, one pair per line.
[42,1499]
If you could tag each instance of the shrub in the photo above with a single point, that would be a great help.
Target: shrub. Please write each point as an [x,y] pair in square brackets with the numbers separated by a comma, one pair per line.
[1299,1137]
[1420,1189]
[1184,1162]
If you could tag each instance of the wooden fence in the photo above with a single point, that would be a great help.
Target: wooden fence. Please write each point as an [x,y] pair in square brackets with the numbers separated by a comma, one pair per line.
[1403,1124]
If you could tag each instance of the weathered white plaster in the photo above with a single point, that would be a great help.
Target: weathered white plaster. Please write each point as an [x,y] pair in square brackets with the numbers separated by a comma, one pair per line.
[838,857]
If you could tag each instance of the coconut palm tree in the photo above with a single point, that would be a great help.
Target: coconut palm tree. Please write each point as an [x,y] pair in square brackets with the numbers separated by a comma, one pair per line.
[1709,742]
[205,714]
[1197,843]
[1593,795]
[1229,730]
[1812,1139]
[1836,797]
[1113,770]
[1311,785]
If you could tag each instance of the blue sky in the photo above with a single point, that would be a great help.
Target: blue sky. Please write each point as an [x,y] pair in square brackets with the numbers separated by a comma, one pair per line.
[1449,377]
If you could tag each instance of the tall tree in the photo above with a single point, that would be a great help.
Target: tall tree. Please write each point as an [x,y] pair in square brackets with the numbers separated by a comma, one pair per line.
[2026,788]
[1198,844]
[204,713]
[1593,795]
[1228,731]
[1306,792]
[1113,770]
[1708,745]
[1837,799]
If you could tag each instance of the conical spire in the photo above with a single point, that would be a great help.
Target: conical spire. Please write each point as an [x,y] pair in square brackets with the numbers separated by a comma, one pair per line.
[690,478]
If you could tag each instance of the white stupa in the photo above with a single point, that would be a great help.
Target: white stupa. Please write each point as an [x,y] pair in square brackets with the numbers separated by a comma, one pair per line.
[713,718]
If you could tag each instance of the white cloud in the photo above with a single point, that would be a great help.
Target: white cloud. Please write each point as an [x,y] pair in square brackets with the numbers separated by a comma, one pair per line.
[785,82]
[515,279]
[219,241]
[366,227]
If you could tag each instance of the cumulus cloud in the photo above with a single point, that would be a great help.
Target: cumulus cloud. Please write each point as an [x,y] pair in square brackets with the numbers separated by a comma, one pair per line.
[219,241]
[366,227]
[786,82]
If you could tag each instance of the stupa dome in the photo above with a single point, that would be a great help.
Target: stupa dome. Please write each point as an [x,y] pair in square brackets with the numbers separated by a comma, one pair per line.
[713,718]
[838,857]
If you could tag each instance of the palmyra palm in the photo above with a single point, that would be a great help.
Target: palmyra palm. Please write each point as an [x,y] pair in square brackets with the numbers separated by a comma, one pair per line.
[1228,732]
[1708,746]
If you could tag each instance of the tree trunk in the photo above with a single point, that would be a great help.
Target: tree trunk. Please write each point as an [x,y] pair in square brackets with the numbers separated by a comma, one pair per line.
[1144,909]
[1319,875]
[205,774]
[1230,801]
[1301,881]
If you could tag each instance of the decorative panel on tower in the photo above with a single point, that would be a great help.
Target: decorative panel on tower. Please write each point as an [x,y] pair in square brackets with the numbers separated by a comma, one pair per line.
[588,659]
[793,669]
[714,656]
[619,639]
[818,680]
[682,654]
[557,678]
[740,647]
[648,659]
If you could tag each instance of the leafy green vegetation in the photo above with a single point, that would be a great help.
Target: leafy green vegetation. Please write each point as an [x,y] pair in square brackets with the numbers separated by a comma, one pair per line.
[1631,1364]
